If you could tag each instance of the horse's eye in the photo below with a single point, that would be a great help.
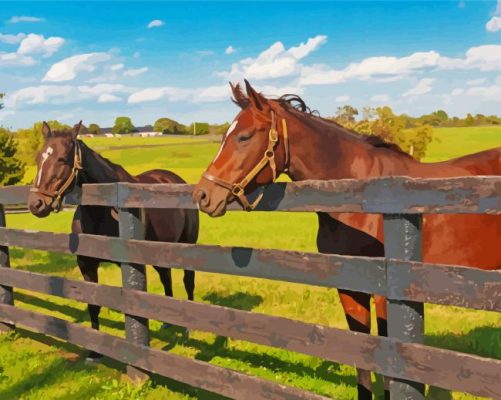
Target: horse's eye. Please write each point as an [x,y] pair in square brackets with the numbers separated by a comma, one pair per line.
[61,159]
[243,138]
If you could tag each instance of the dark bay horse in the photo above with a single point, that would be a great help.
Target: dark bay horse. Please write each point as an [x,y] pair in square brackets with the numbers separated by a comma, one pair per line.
[269,137]
[65,161]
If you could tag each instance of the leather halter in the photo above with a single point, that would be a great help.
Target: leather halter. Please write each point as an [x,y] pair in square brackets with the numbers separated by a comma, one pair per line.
[57,196]
[238,189]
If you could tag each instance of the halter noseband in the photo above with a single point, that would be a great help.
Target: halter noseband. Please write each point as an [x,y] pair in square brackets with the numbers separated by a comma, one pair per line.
[57,196]
[238,189]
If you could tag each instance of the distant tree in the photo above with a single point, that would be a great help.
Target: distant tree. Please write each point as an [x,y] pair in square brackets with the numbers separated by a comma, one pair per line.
[346,114]
[149,128]
[220,129]
[169,127]
[94,129]
[199,128]
[469,120]
[1,98]
[12,169]
[30,140]
[122,125]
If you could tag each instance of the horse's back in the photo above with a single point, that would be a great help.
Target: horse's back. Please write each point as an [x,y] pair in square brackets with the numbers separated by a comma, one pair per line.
[487,162]
[170,225]
[159,176]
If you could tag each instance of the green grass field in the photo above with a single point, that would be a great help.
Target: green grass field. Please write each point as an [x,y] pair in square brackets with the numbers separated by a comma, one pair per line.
[36,367]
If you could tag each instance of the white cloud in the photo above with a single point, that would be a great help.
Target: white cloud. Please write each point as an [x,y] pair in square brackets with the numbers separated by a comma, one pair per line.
[28,46]
[15,59]
[423,86]
[104,88]
[212,93]
[230,50]
[380,98]
[41,94]
[67,69]
[117,67]
[37,44]
[274,62]
[62,94]
[203,94]
[492,92]
[135,72]
[368,68]
[12,39]
[156,23]
[494,24]
[476,82]
[152,94]
[484,58]
[342,99]
[385,68]
[108,98]
[16,19]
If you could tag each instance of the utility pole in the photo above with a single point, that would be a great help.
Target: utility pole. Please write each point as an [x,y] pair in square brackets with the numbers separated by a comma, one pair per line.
[194,128]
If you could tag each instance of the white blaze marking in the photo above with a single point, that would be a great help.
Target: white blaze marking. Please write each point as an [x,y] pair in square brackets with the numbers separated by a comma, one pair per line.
[230,129]
[45,156]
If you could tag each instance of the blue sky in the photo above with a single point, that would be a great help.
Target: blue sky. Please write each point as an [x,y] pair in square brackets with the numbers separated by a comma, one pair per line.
[95,61]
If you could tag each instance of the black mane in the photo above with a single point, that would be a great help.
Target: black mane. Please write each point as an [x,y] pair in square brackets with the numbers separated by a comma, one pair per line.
[297,103]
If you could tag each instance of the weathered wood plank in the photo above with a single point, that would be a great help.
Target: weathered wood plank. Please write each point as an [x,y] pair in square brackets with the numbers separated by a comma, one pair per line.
[6,292]
[438,367]
[395,195]
[380,195]
[444,284]
[403,240]
[14,194]
[133,277]
[192,372]
[309,268]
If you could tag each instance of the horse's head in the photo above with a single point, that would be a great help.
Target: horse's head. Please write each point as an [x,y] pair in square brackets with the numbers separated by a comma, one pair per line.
[58,163]
[253,153]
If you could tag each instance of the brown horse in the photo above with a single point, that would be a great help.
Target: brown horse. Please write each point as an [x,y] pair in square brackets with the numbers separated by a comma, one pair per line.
[64,162]
[269,137]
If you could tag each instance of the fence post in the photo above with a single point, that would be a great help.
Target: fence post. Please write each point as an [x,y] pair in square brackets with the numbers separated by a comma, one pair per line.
[6,293]
[133,277]
[403,240]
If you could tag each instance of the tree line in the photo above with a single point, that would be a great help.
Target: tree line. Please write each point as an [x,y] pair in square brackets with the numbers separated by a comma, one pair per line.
[413,134]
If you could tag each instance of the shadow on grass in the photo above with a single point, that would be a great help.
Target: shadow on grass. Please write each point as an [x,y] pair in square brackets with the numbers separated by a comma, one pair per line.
[52,373]
[207,351]
[239,300]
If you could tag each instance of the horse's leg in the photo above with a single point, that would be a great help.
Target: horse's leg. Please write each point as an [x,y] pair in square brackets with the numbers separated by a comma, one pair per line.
[88,267]
[165,275]
[382,330]
[189,283]
[356,307]
[336,237]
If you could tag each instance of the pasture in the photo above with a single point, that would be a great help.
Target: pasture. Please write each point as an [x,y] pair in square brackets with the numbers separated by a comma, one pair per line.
[33,367]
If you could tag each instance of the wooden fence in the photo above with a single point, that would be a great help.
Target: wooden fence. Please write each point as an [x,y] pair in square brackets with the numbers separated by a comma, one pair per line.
[401,276]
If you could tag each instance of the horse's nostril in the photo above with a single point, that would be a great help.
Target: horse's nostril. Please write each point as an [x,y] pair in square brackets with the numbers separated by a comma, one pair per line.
[39,204]
[202,197]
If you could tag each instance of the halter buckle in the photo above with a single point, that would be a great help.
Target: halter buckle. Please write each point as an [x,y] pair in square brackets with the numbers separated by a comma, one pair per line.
[237,190]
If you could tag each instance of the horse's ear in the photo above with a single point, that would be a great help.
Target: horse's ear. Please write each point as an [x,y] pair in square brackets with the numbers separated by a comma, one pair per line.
[256,99]
[46,132]
[239,97]
[76,130]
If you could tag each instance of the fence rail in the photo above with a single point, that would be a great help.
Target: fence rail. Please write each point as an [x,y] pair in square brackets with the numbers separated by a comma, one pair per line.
[403,279]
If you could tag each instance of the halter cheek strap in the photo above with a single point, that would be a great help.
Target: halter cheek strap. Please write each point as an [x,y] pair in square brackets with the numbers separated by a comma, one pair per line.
[57,196]
[238,189]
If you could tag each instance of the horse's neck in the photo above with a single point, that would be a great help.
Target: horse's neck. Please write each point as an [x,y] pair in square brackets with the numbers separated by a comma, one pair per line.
[320,149]
[97,169]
